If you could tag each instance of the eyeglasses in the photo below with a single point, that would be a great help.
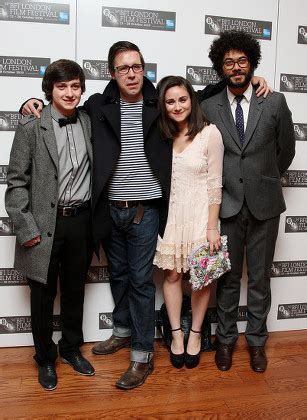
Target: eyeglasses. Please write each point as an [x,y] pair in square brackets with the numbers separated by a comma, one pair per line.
[137,68]
[242,62]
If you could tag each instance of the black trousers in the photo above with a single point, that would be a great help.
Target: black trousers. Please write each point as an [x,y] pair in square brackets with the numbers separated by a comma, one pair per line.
[70,259]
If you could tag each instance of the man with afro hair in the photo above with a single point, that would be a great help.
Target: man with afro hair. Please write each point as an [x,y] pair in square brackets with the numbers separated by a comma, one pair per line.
[259,147]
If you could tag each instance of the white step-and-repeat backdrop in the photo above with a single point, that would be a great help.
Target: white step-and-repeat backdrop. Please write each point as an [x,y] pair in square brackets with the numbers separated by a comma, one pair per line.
[174,37]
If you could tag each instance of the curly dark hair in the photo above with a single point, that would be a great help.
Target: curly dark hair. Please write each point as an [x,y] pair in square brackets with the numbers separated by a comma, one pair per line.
[197,119]
[234,40]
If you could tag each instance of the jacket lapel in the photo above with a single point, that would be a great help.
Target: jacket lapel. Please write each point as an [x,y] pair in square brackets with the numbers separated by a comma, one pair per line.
[255,110]
[48,135]
[111,112]
[227,117]
[150,114]
[87,134]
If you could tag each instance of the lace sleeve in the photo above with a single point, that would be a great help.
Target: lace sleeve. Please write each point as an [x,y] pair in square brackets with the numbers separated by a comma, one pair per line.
[215,190]
[215,166]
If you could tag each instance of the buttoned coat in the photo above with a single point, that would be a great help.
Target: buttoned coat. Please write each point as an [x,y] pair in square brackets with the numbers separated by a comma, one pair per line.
[253,171]
[31,197]
[104,111]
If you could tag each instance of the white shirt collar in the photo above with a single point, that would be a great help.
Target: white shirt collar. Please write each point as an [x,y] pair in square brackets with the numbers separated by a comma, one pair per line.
[247,94]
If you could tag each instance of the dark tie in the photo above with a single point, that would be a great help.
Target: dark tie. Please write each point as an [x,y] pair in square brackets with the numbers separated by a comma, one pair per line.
[68,120]
[240,119]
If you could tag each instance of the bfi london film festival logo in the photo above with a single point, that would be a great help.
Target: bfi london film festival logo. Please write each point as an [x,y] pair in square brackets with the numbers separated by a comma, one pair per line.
[105,321]
[258,28]
[30,11]
[203,76]
[22,324]
[98,274]
[296,83]
[294,178]
[302,34]
[3,174]
[9,120]
[98,70]
[157,20]
[289,268]
[11,277]
[300,131]
[292,311]
[296,224]
[6,227]
[23,66]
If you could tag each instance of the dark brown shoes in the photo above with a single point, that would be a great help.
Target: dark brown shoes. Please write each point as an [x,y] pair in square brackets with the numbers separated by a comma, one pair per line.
[223,356]
[111,345]
[135,375]
[258,360]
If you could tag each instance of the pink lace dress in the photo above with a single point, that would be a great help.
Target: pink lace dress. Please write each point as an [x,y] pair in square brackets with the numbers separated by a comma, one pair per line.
[196,183]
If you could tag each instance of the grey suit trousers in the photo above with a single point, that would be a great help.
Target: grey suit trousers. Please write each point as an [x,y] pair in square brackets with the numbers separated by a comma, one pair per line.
[259,238]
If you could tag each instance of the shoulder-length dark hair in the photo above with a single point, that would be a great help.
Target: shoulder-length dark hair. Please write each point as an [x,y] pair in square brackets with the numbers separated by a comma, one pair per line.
[196,121]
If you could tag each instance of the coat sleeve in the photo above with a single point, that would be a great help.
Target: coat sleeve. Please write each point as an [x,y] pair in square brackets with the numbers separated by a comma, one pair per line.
[285,136]
[17,195]
[210,90]
[22,105]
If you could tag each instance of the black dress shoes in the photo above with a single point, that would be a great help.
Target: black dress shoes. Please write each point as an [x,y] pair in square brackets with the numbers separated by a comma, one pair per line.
[80,365]
[135,375]
[223,356]
[47,377]
[258,360]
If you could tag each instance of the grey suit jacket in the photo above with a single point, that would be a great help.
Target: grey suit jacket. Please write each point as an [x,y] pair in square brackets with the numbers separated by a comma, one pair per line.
[32,193]
[254,170]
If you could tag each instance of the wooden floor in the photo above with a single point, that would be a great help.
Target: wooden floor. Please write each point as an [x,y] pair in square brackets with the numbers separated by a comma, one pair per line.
[204,392]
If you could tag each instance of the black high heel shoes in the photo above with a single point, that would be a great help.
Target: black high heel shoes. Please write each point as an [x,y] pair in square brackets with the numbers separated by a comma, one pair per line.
[177,360]
[192,360]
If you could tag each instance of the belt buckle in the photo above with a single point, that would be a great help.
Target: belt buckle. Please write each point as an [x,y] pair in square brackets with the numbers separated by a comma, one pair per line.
[67,211]
[126,206]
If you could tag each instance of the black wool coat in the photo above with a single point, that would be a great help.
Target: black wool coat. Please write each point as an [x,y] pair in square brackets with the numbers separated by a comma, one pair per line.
[104,111]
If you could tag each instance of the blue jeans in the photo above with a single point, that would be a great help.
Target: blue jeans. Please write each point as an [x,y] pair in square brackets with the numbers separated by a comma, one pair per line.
[130,253]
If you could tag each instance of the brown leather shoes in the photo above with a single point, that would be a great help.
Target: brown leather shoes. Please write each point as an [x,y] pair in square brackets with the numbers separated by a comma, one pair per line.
[258,360]
[135,375]
[223,356]
[111,345]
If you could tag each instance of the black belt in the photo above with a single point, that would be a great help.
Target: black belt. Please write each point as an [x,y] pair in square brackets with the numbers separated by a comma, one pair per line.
[130,204]
[69,211]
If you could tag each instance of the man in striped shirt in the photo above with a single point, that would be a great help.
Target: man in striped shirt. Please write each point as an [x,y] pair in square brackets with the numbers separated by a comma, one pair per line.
[131,183]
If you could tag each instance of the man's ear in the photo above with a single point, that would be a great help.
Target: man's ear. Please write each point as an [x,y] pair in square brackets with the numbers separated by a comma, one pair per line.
[113,74]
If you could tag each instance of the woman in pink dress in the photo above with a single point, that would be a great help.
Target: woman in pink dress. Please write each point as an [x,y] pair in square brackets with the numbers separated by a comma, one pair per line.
[195,198]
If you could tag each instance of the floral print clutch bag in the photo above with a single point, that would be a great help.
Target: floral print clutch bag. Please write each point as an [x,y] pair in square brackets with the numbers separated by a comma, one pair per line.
[205,268]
